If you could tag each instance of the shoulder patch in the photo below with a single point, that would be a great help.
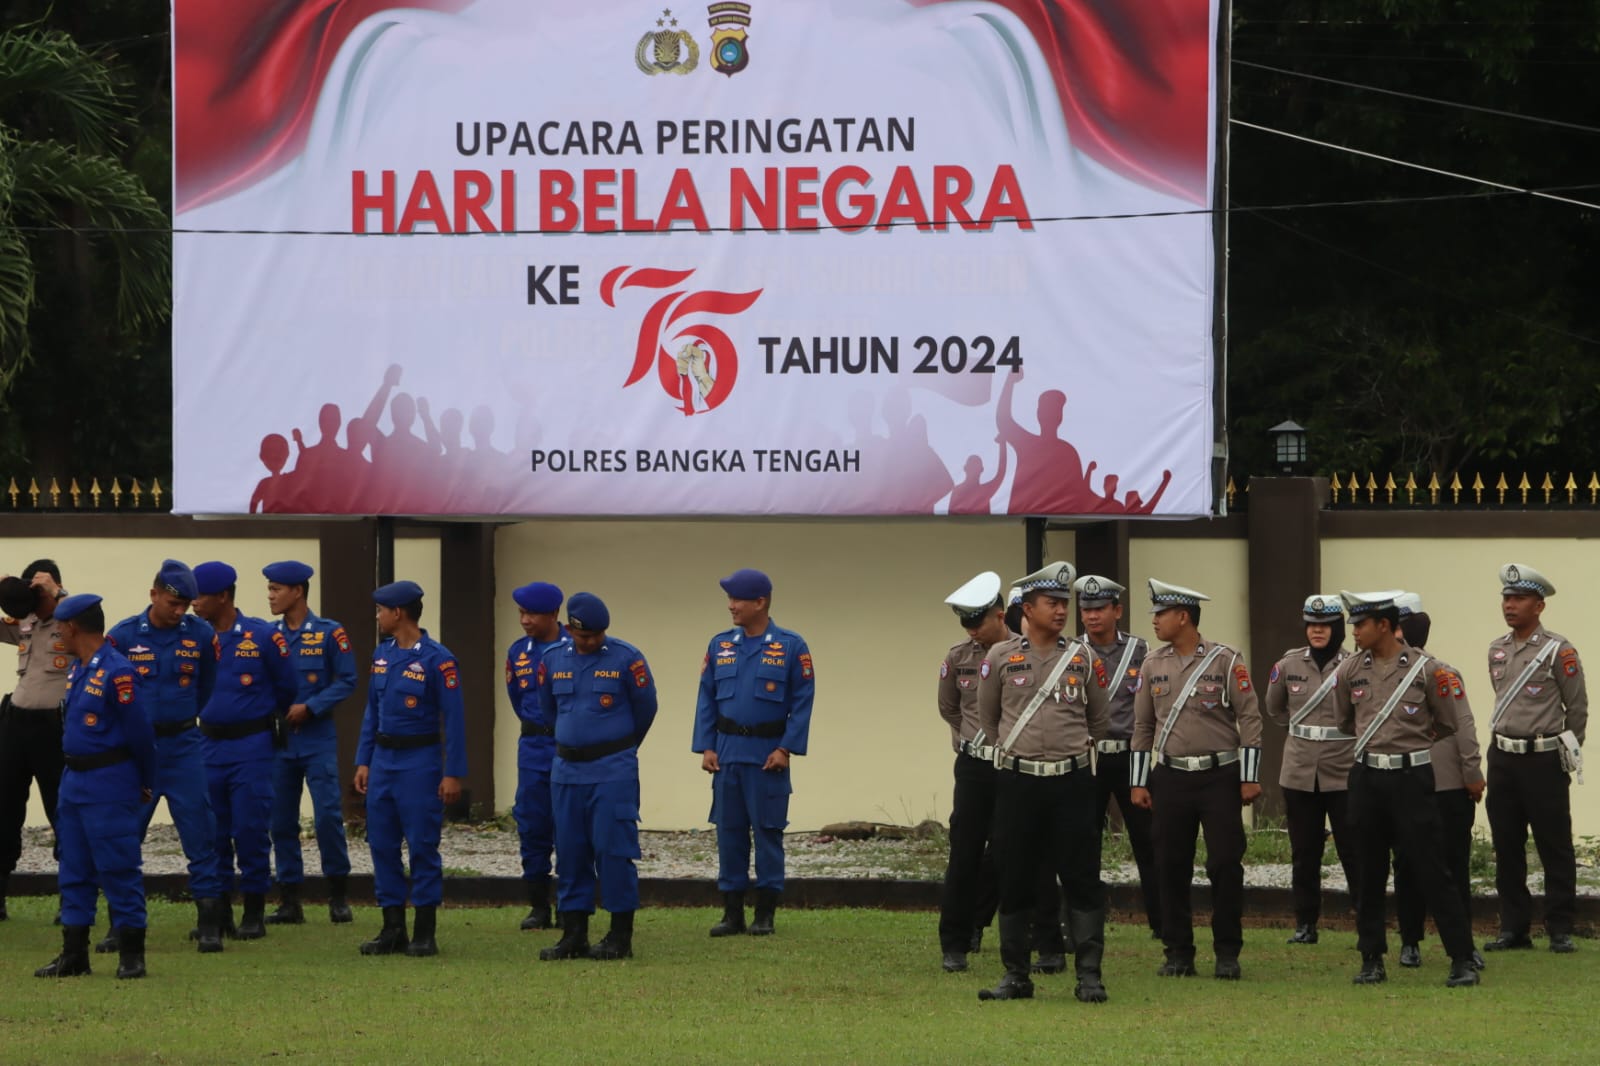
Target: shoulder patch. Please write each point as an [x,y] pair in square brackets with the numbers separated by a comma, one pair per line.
[448,669]
[806,670]
[1242,677]
[341,638]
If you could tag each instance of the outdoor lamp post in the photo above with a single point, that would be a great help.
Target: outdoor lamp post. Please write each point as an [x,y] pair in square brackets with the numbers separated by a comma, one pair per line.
[1288,446]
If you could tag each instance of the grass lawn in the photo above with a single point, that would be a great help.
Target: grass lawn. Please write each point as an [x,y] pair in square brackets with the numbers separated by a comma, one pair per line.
[831,987]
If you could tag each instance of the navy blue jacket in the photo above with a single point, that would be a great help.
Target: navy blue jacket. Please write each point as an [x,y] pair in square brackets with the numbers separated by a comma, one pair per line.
[103,710]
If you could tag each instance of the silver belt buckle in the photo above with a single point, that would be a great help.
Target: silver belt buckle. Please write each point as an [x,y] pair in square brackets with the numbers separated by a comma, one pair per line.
[1111,747]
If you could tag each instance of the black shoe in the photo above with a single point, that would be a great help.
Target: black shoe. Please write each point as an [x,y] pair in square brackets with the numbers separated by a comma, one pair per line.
[1304,934]
[1227,968]
[339,912]
[1462,975]
[210,923]
[1410,956]
[618,941]
[109,944]
[391,939]
[1180,963]
[538,905]
[574,942]
[1088,929]
[766,906]
[131,963]
[1561,943]
[253,920]
[1372,971]
[1477,960]
[955,962]
[1509,942]
[1050,963]
[423,943]
[289,911]
[732,923]
[1012,986]
[74,958]
[975,945]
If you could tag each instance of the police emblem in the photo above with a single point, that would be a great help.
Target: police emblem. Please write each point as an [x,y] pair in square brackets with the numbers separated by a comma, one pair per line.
[606,699]
[411,701]
[246,680]
[311,678]
[730,52]
[666,49]
[91,720]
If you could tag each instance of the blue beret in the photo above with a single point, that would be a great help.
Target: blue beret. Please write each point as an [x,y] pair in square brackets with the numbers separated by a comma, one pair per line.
[73,606]
[287,572]
[212,578]
[397,594]
[541,597]
[176,578]
[585,610]
[747,585]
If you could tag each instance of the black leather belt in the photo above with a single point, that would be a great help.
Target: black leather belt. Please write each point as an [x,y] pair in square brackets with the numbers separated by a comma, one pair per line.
[534,729]
[172,729]
[95,762]
[595,751]
[236,730]
[409,740]
[9,704]
[765,729]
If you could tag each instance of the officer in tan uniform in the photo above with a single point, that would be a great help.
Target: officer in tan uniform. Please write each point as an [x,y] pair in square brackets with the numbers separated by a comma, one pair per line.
[1196,761]
[1541,711]
[1044,701]
[1316,759]
[1388,698]
[970,890]
[1457,787]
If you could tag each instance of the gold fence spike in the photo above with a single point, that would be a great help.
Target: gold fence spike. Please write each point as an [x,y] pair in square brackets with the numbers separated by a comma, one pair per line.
[33,491]
[1231,490]
[1571,486]
[1334,484]
[55,493]
[155,492]
[1593,486]
[1372,488]
[116,493]
[1524,485]
[94,493]
[74,492]
[1389,486]
[1455,487]
[134,492]
[1477,488]
[13,491]
[1411,489]
[1433,489]
[1353,485]
[1501,487]
[1548,487]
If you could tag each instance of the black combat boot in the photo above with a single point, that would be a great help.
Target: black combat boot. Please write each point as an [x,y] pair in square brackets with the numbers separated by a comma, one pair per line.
[252,923]
[289,911]
[1227,967]
[1372,971]
[391,939]
[225,924]
[109,944]
[209,925]
[1462,974]
[732,915]
[131,963]
[423,943]
[766,906]
[1304,934]
[74,957]
[574,942]
[618,941]
[538,905]
[1088,929]
[1180,963]
[338,899]
[1014,954]
[954,962]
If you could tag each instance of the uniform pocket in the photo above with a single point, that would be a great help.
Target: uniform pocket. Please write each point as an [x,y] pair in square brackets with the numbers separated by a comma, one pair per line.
[624,835]
[772,683]
[775,790]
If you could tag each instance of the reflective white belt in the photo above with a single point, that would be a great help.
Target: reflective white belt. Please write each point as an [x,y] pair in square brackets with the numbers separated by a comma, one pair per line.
[1519,746]
[1319,732]
[1042,769]
[1379,761]
[1111,747]
[1198,762]
[978,751]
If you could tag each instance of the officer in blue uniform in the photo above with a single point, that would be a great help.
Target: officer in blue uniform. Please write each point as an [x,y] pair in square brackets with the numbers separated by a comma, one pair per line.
[175,655]
[538,605]
[599,693]
[110,755]
[408,776]
[308,754]
[255,685]
[754,712]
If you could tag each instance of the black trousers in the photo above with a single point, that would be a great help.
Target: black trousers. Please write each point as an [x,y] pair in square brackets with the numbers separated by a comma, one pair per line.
[1306,813]
[1045,829]
[1532,791]
[1111,781]
[1394,810]
[1185,805]
[30,750]
[1456,815]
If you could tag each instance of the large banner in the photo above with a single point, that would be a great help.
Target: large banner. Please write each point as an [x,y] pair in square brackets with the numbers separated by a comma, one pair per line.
[560,257]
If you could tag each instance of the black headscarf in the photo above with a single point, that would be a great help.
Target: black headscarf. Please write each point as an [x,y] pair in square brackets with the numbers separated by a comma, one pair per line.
[1321,656]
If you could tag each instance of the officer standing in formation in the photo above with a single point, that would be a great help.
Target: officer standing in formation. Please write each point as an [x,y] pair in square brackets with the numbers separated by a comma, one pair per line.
[175,654]
[255,684]
[1317,757]
[1045,702]
[414,709]
[1195,717]
[308,755]
[538,605]
[757,684]
[30,725]
[110,773]
[1100,608]
[1541,712]
[1388,698]
[970,887]
[599,693]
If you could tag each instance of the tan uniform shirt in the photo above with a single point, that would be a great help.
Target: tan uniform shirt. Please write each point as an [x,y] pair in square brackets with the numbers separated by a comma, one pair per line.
[1425,712]
[958,690]
[1220,715]
[1123,687]
[1308,765]
[1554,699]
[42,661]
[1075,712]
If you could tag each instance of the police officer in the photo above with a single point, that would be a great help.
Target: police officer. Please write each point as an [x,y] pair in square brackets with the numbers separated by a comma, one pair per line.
[30,725]
[538,606]
[1387,698]
[757,684]
[970,885]
[256,682]
[1316,759]
[1100,608]
[1044,701]
[409,765]
[1457,786]
[599,693]
[175,654]
[308,755]
[110,771]
[1541,712]
[1195,717]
